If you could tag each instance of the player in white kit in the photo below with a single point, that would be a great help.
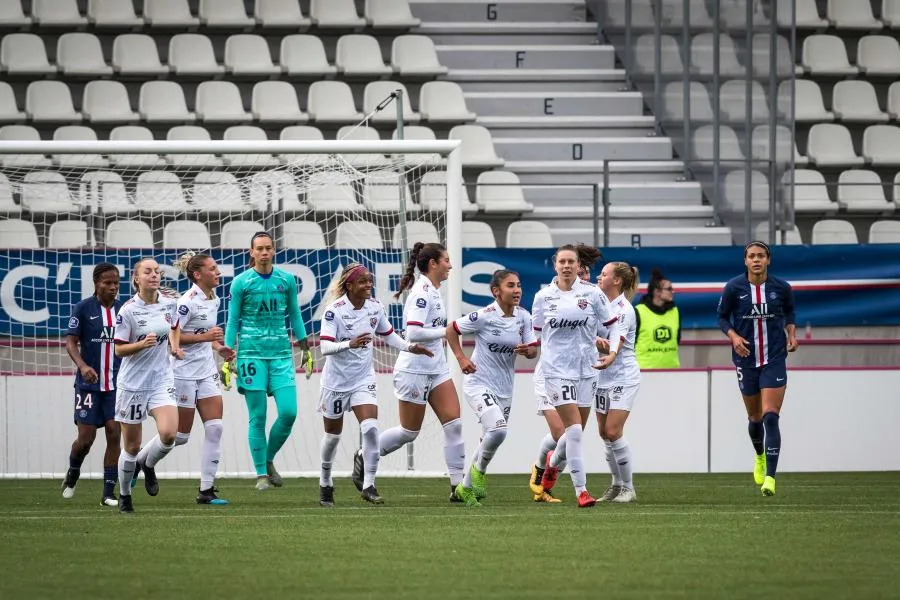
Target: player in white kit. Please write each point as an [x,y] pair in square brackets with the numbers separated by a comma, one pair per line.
[503,330]
[197,376]
[350,320]
[568,314]
[617,386]
[587,257]
[146,332]
[421,380]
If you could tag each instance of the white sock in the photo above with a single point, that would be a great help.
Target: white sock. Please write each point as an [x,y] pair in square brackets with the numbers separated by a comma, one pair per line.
[371,455]
[394,438]
[559,455]
[328,448]
[547,444]
[454,450]
[182,438]
[489,444]
[611,462]
[127,466]
[154,452]
[624,461]
[573,449]
[211,452]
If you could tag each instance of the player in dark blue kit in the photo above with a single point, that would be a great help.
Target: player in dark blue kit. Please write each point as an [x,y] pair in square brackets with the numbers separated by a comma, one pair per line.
[90,345]
[756,312]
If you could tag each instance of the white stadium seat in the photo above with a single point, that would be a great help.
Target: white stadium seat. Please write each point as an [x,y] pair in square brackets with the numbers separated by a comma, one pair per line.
[192,54]
[332,102]
[163,102]
[126,161]
[359,55]
[792,237]
[332,197]
[382,193]
[50,101]
[304,56]
[672,15]
[160,191]
[377,91]
[855,101]
[302,132]
[500,192]
[136,54]
[826,55]
[477,147]
[881,145]
[476,234]
[169,13]
[9,110]
[852,15]
[645,55]
[884,232]
[185,234]
[834,231]
[641,15]
[56,13]
[878,55]
[128,234]
[275,190]
[67,234]
[810,192]
[528,234]
[302,235]
[416,56]
[784,59]
[357,235]
[861,191]
[24,54]
[805,15]
[893,100]
[247,54]
[12,15]
[224,13]
[25,133]
[433,193]
[734,15]
[47,191]
[415,132]
[104,190]
[735,192]
[733,101]
[236,235]
[703,145]
[16,234]
[785,147]
[113,13]
[443,102]
[362,132]
[78,133]
[247,133]
[107,101]
[278,14]
[7,202]
[830,145]
[890,13]
[673,102]
[390,14]
[191,132]
[335,14]
[416,231]
[702,55]
[809,106]
[220,102]
[81,54]
[276,102]
[217,191]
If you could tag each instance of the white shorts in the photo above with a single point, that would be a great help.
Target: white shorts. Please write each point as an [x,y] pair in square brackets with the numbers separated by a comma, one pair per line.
[492,410]
[133,406]
[188,391]
[617,397]
[333,405]
[415,387]
[571,391]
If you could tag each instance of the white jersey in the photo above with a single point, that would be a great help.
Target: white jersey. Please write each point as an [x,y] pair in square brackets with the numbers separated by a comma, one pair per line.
[150,368]
[496,336]
[425,308]
[569,322]
[352,368]
[625,369]
[196,314]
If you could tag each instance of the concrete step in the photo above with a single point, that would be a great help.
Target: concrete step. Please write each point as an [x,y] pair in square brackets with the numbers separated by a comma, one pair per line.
[500,11]
[646,237]
[509,33]
[559,103]
[577,172]
[662,195]
[557,126]
[625,218]
[589,149]
[527,57]
[539,80]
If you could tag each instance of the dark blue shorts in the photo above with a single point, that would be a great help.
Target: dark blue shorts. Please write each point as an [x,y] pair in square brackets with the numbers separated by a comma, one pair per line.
[93,407]
[753,379]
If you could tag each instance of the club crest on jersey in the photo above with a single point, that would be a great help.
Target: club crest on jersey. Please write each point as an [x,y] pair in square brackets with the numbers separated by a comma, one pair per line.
[771,295]
[248,380]
[420,302]
[373,321]
[183,309]
[582,304]
[280,288]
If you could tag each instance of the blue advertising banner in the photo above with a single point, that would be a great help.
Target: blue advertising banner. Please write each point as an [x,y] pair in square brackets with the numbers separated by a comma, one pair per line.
[834,285]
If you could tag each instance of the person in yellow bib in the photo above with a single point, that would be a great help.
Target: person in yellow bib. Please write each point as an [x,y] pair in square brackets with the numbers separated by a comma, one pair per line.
[658,326]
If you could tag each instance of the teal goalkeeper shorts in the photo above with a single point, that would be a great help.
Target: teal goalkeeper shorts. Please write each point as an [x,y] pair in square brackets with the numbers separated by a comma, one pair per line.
[264,374]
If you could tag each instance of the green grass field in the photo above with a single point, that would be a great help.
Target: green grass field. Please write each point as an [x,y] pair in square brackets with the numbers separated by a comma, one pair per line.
[689,536]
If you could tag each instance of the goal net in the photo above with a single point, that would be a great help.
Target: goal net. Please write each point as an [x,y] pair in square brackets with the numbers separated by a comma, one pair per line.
[67,206]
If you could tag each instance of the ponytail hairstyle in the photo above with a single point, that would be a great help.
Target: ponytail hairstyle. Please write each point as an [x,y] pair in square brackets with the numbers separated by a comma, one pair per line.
[189,263]
[498,277]
[629,277]
[419,258]
[656,278]
[587,255]
[256,235]
[338,286]
[102,268]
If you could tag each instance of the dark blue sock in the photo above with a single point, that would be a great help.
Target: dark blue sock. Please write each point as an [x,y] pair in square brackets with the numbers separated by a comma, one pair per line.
[110,475]
[75,462]
[755,429]
[772,442]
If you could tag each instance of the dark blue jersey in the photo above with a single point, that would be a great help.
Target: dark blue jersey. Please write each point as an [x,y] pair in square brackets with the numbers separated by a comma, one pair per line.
[94,325]
[759,314]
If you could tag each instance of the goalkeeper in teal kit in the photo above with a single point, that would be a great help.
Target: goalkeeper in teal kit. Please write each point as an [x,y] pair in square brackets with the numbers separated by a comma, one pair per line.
[261,298]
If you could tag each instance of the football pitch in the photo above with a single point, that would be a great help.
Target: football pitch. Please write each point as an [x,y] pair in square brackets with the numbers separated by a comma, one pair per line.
[688,536]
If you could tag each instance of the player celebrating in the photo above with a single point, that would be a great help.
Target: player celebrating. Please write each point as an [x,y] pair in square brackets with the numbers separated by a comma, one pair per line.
[261,298]
[350,319]
[618,385]
[754,311]
[568,314]
[502,330]
[426,379]
[146,381]
[196,377]
[89,343]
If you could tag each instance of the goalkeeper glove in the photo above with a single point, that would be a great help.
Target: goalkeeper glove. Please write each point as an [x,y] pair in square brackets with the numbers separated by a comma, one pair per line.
[225,373]
[306,359]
